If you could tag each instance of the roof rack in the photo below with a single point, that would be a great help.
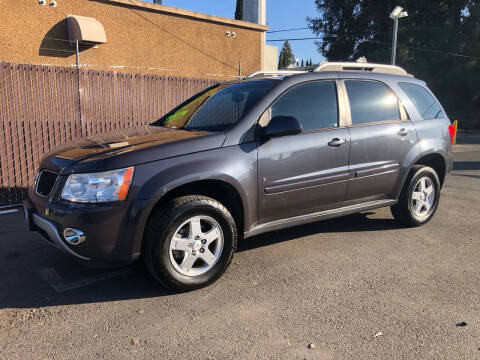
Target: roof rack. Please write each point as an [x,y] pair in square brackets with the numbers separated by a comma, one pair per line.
[337,66]
[361,66]
[274,73]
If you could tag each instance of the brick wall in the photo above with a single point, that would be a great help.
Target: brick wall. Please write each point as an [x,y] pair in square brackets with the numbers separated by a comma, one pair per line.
[142,37]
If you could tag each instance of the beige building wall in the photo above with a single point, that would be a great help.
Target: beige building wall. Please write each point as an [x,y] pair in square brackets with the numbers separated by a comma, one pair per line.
[141,37]
[270,61]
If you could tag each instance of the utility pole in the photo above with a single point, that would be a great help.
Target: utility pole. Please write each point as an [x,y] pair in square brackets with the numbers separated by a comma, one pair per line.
[394,40]
[77,54]
[396,14]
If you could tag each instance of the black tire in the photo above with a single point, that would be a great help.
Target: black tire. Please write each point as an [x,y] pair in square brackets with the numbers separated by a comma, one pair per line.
[161,228]
[403,211]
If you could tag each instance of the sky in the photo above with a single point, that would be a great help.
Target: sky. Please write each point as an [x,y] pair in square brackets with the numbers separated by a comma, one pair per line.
[281,14]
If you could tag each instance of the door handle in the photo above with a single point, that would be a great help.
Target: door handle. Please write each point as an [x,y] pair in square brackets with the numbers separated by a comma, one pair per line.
[403,132]
[337,142]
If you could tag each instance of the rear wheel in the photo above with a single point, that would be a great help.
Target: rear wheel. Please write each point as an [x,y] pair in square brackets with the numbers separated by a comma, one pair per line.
[190,242]
[419,199]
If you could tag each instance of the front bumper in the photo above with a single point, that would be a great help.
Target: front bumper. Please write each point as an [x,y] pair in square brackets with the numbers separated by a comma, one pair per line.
[49,230]
[113,231]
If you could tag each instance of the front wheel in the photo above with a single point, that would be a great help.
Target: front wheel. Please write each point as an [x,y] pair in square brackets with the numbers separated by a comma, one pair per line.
[419,199]
[190,242]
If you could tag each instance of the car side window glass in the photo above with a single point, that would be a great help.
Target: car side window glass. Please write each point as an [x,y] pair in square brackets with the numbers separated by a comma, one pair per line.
[371,101]
[313,104]
[426,104]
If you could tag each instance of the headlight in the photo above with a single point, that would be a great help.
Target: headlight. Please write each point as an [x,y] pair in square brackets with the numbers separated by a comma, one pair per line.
[98,187]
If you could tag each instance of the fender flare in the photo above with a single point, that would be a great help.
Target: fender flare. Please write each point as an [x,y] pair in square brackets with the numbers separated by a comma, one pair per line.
[142,208]
[414,162]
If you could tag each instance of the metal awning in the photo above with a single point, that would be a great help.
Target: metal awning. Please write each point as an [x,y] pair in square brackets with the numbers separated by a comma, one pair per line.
[86,29]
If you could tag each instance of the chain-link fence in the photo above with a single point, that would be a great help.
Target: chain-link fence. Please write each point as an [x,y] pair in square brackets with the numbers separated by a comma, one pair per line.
[45,106]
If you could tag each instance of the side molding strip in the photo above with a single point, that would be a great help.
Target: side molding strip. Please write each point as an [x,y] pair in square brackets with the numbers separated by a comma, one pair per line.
[322,215]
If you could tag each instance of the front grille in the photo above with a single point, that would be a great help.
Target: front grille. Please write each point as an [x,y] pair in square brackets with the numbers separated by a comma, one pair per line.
[45,182]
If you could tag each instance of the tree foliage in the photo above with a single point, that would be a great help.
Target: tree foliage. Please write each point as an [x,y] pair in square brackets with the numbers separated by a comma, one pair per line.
[286,56]
[427,40]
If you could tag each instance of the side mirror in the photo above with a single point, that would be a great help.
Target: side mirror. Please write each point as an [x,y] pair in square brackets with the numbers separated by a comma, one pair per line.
[282,126]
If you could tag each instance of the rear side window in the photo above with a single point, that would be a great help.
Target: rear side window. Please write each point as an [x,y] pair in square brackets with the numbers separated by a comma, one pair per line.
[371,101]
[426,104]
[313,104]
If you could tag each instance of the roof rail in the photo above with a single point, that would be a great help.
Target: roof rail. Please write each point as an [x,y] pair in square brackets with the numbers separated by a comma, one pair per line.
[274,73]
[360,66]
[337,66]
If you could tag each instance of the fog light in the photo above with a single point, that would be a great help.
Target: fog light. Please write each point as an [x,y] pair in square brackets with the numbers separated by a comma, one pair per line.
[73,236]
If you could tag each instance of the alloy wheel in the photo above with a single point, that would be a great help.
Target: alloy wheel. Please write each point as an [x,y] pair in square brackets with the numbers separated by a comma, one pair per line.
[423,197]
[196,246]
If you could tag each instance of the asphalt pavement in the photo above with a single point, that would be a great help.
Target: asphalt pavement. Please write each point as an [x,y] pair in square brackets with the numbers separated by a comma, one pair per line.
[358,287]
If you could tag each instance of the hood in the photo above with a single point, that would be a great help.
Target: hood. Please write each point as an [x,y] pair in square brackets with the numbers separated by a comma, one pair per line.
[128,147]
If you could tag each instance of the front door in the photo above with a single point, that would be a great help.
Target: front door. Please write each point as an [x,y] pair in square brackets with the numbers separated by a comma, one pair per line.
[381,138]
[307,172]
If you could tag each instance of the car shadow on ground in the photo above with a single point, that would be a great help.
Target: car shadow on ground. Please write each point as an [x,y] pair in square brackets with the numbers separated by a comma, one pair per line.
[35,274]
[352,223]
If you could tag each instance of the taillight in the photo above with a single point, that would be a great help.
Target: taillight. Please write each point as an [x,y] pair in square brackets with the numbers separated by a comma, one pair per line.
[451,131]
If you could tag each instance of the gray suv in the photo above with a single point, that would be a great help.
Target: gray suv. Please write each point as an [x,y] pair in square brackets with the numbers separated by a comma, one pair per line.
[242,158]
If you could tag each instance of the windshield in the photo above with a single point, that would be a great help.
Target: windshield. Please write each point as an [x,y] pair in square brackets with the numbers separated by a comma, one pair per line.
[217,108]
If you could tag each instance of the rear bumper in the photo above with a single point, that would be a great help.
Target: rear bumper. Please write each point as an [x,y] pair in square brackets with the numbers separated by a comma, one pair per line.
[448,168]
[449,163]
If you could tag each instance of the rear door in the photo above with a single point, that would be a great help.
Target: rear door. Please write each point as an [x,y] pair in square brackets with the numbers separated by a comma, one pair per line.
[307,172]
[381,138]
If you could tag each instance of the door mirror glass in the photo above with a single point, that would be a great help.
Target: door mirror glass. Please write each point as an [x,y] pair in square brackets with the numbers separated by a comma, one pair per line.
[282,126]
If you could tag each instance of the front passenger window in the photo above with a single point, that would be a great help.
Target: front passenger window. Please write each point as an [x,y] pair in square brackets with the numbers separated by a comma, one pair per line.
[313,104]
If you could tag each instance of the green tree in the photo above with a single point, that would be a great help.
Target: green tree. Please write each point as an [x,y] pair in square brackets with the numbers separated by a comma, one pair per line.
[349,29]
[281,59]
[157,2]
[286,56]
[239,10]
